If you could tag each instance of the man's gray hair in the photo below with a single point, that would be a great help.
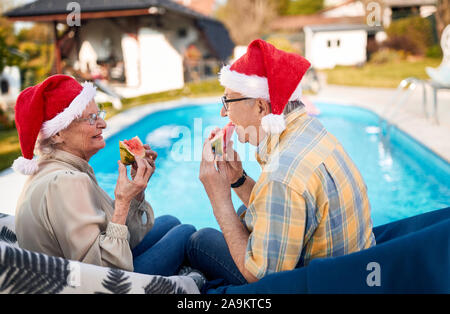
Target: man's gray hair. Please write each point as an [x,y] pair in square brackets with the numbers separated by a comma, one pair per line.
[291,106]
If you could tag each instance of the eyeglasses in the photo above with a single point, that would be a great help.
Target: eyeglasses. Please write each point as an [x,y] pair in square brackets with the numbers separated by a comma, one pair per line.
[225,101]
[92,118]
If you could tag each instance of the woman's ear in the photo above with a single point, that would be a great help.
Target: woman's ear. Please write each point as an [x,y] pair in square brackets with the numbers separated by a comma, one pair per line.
[58,138]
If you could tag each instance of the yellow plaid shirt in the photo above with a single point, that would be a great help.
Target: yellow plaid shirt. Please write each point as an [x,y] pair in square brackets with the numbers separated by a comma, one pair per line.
[309,202]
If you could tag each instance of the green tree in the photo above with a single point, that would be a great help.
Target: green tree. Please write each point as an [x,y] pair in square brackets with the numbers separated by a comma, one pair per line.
[246,20]
[8,46]
[37,43]
[299,7]
[442,15]
[412,34]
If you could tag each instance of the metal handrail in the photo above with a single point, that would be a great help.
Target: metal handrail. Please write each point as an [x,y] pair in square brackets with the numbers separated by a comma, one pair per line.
[400,97]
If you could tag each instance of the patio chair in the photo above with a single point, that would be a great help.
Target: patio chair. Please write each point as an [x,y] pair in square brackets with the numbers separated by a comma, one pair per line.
[440,76]
[23,271]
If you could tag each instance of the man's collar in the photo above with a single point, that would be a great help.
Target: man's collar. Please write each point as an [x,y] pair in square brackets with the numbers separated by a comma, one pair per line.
[271,142]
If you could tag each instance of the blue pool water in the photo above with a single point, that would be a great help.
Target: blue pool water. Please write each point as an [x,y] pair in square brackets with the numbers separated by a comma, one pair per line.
[403,177]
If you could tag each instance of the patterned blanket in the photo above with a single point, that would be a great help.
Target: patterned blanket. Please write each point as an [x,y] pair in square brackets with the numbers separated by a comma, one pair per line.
[23,271]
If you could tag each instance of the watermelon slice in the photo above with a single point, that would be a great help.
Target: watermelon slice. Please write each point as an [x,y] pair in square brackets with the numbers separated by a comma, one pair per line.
[220,141]
[131,148]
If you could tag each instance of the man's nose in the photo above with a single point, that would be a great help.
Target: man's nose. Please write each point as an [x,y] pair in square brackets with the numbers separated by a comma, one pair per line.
[223,112]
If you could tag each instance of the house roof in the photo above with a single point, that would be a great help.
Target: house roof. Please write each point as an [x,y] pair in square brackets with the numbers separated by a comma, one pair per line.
[297,22]
[341,27]
[51,7]
[408,3]
[215,32]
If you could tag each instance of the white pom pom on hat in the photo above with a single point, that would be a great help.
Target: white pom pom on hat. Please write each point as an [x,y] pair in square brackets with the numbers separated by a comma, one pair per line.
[25,166]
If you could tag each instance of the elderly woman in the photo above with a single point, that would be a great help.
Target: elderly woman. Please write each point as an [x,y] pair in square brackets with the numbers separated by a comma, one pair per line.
[62,210]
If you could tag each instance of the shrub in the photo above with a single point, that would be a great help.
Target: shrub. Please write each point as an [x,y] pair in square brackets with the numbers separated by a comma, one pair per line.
[299,7]
[411,34]
[434,51]
[6,120]
[387,55]
[282,43]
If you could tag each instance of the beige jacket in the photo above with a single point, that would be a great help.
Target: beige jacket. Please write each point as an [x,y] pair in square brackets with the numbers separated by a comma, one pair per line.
[63,212]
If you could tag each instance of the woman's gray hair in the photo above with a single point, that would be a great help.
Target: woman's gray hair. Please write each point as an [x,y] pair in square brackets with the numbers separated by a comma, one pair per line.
[45,146]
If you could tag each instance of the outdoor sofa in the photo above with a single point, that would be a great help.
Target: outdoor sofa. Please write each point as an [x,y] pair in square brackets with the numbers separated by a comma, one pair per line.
[412,255]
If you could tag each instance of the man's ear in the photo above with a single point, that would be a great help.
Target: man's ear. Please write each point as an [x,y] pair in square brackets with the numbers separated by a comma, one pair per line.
[263,107]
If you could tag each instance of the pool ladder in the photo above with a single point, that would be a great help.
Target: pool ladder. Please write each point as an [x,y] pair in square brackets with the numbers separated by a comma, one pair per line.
[404,91]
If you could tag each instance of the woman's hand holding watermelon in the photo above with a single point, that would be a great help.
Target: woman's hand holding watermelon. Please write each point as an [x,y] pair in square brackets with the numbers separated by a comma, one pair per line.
[150,157]
[127,189]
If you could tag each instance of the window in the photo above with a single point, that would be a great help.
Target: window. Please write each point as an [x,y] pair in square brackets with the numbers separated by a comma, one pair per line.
[182,32]
[4,86]
[335,43]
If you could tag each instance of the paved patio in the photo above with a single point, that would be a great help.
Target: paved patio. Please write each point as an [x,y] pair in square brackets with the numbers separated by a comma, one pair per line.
[410,118]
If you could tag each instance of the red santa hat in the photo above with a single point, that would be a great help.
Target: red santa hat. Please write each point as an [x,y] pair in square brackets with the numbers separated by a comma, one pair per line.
[46,109]
[268,73]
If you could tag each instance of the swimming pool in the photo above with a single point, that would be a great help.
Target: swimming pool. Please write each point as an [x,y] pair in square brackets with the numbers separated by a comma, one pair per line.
[403,177]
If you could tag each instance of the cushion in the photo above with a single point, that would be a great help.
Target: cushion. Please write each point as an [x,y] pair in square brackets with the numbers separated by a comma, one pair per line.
[412,255]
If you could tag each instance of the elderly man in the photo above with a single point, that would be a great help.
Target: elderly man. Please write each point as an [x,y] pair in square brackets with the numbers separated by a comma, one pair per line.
[310,200]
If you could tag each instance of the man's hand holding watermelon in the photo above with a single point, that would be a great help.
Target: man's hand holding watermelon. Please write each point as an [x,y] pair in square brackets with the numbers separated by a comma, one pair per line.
[231,161]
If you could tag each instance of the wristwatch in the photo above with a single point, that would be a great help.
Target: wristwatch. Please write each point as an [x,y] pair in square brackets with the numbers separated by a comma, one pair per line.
[240,181]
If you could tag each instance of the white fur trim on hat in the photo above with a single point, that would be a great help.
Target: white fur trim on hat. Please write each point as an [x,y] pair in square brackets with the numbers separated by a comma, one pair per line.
[73,111]
[273,123]
[253,86]
[25,166]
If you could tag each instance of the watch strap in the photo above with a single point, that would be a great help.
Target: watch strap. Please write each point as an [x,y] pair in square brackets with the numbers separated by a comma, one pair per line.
[240,181]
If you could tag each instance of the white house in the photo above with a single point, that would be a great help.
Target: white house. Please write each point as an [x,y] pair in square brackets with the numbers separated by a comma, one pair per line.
[9,87]
[329,45]
[336,37]
[131,47]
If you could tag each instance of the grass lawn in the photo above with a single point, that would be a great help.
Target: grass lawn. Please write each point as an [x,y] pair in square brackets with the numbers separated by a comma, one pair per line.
[9,147]
[9,139]
[388,74]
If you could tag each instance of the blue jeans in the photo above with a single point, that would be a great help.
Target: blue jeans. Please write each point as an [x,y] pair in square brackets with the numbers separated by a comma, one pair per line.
[163,249]
[208,252]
